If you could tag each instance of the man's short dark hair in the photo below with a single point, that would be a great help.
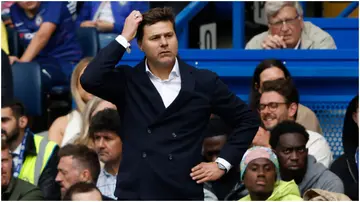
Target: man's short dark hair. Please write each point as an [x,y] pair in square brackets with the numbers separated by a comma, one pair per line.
[16,107]
[217,127]
[85,157]
[105,120]
[80,187]
[153,16]
[285,88]
[286,127]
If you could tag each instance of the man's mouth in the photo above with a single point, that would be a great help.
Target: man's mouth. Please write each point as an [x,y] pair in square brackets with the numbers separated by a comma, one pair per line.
[260,182]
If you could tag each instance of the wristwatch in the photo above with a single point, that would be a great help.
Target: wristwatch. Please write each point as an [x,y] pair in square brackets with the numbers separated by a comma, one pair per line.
[221,166]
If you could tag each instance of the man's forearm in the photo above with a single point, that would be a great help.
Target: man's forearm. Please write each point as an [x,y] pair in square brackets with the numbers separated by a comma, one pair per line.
[36,45]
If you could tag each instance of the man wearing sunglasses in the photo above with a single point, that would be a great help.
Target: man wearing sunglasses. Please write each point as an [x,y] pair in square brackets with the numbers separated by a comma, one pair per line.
[288,30]
[279,102]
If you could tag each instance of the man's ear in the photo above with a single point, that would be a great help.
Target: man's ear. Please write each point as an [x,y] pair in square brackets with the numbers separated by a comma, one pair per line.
[23,122]
[292,110]
[85,176]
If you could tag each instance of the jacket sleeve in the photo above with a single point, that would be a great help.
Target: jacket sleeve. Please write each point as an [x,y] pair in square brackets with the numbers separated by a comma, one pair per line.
[236,113]
[47,184]
[332,183]
[102,79]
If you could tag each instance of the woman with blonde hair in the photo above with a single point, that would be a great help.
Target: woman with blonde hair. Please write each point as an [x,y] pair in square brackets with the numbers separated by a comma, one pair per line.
[65,128]
[92,107]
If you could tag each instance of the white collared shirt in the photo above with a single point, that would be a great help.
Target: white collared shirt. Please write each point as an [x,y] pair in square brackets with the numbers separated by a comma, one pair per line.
[169,88]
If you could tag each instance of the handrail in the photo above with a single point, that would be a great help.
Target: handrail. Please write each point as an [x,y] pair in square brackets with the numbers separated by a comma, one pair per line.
[188,13]
[349,9]
[182,20]
[238,20]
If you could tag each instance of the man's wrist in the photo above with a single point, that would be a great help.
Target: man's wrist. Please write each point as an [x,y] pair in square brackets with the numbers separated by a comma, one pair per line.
[124,42]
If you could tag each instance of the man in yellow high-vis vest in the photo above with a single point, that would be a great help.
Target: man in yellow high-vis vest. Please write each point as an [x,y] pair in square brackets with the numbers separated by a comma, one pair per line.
[35,158]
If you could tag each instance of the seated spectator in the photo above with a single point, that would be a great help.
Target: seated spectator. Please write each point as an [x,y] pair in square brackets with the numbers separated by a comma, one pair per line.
[108,16]
[289,141]
[346,166]
[12,188]
[47,31]
[323,195]
[260,173]
[65,128]
[216,135]
[104,129]
[95,105]
[7,86]
[272,70]
[83,191]
[5,13]
[279,102]
[27,147]
[288,30]
[77,163]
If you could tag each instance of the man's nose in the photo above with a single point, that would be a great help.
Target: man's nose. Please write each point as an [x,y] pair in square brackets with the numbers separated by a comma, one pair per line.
[284,26]
[163,41]
[294,156]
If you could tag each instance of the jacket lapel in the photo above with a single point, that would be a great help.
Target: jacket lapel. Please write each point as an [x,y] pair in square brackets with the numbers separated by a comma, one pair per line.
[187,87]
[143,82]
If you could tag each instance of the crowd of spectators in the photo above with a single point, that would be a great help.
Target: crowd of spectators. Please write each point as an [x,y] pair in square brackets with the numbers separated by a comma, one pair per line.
[80,156]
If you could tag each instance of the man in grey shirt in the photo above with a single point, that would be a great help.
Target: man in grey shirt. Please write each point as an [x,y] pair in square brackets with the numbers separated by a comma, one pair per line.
[289,140]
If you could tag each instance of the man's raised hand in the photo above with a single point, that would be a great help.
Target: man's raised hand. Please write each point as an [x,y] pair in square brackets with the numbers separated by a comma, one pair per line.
[131,24]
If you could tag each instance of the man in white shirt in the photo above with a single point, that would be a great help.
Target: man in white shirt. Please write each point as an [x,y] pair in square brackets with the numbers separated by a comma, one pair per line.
[164,105]
[104,127]
[279,102]
[288,30]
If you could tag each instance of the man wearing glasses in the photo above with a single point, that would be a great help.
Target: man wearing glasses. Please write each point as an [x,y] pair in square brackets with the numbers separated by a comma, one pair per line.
[279,102]
[288,30]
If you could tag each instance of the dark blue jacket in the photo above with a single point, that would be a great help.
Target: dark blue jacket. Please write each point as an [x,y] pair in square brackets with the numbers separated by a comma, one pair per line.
[161,145]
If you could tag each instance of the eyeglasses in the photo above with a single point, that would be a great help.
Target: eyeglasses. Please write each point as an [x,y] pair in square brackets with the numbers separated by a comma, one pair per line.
[279,24]
[272,106]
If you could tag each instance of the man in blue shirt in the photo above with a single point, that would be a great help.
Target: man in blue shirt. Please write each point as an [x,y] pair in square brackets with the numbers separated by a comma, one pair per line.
[47,31]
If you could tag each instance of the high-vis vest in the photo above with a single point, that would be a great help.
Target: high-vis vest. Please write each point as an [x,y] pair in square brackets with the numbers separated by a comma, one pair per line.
[34,165]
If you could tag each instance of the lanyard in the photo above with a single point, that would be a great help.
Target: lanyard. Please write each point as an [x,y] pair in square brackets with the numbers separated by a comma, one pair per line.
[21,155]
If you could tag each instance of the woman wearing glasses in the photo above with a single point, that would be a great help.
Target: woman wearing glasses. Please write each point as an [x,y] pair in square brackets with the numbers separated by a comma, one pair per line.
[288,30]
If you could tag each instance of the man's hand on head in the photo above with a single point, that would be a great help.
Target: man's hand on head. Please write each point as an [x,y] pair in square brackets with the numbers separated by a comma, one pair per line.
[205,172]
[273,42]
[131,24]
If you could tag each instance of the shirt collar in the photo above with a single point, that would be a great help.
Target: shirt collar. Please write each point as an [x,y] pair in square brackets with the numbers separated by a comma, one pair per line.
[107,174]
[175,72]
[17,150]
[297,45]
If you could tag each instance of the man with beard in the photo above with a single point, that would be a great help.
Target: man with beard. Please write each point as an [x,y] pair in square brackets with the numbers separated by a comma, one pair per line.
[14,189]
[279,102]
[289,141]
[35,158]
[104,129]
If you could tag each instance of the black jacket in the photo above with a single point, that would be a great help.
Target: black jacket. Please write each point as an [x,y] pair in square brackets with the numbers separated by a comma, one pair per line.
[346,168]
[161,145]
[47,184]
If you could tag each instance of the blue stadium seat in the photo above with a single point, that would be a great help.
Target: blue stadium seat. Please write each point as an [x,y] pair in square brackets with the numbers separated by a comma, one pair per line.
[14,42]
[89,40]
[27,86]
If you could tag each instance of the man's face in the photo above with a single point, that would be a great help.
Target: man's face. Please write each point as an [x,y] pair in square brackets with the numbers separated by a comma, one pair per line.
[212,147]
[93,195]
[6,167]
[29,5]
[108,145]
[10,124]
[260,176]
[275,109]
[68,173]
[160,44]
[292,152]
[291,30]
[270,74]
